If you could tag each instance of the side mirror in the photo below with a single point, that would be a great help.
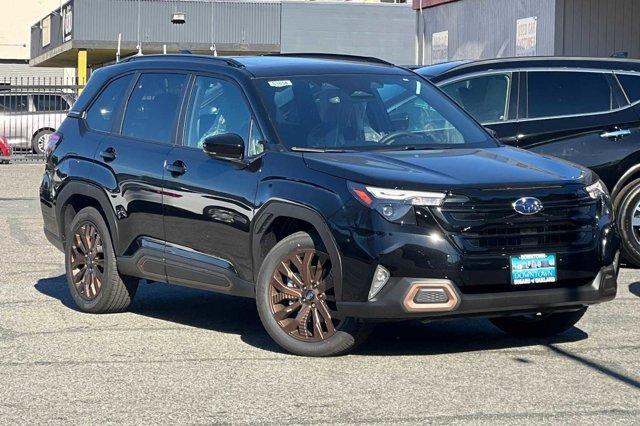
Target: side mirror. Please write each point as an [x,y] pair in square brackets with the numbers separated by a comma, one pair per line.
[228,146]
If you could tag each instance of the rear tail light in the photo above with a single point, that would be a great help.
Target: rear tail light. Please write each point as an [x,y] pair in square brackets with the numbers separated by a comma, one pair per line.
[52,143]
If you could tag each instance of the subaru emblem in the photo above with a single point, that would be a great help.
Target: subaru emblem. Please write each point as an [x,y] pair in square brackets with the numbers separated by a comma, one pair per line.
[527,206]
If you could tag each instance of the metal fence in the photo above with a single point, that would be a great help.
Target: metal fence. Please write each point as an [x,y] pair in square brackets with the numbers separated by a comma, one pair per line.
[31,109]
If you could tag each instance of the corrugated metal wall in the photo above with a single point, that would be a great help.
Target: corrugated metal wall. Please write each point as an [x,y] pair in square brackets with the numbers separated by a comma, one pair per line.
[598,27]
[237,22]
[480,29]
[381,30]
[23,70]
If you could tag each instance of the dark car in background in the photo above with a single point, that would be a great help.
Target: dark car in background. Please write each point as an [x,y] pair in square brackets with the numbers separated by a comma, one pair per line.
[583,110]
[336,191]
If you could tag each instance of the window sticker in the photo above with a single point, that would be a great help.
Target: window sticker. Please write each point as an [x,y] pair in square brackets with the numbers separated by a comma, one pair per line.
[280,83]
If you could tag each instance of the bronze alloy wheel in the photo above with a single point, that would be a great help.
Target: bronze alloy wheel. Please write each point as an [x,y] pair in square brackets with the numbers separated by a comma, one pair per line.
[301,296]
[87,261]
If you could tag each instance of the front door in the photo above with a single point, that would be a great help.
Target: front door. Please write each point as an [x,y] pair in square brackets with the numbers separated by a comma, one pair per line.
[208,204]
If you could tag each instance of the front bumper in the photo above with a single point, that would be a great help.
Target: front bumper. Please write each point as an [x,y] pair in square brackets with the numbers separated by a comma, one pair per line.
[397,301]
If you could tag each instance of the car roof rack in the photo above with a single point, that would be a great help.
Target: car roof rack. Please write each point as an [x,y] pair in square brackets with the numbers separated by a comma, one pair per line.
[336,56]
[185,56]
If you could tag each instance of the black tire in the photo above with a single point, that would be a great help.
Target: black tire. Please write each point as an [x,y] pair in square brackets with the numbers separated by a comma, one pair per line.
[36,142]
[545,325]
[625,207]
[116,291]
[349,332]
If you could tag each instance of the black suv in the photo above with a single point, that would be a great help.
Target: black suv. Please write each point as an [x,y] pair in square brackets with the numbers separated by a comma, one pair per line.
[584,110]
[336,191]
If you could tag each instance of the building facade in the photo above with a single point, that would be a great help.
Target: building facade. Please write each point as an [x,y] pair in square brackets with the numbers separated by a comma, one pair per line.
[87,33]
[481,29]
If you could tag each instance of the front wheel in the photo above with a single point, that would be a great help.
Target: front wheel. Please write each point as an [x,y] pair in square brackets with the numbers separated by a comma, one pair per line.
[296,300]
[539,325]
[627,206]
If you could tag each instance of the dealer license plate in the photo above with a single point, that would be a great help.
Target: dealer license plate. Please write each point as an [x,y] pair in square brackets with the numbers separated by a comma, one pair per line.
[529,269]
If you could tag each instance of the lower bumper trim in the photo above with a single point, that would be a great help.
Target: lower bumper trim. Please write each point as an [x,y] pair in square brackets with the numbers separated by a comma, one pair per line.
[392,303]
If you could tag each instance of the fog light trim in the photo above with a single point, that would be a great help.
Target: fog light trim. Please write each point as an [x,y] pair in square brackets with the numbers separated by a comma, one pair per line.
[380,279]
[445,286]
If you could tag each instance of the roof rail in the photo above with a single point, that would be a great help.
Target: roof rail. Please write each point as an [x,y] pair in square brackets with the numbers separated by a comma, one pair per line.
[221,59]
[336,56]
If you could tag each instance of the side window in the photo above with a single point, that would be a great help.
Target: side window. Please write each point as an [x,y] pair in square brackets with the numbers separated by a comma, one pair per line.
[153,107]
[486,98]
[14,103]
[50,103]
[256,140]
[631,86]
[216,107]
[558,93]
[102,112]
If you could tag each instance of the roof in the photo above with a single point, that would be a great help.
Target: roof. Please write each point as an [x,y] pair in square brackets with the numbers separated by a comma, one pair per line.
[450,69]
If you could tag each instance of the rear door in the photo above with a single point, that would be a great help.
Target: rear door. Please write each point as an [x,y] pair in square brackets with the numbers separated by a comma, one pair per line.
[490,97]
[136,150]
[580,116]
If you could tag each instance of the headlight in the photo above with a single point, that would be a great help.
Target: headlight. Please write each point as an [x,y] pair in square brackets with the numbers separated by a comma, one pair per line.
[597,190]
[395,205]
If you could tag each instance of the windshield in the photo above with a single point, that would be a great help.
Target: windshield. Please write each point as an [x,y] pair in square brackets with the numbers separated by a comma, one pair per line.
[366,112]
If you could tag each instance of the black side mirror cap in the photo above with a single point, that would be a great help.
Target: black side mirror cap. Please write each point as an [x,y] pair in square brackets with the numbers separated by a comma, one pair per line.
[227,146]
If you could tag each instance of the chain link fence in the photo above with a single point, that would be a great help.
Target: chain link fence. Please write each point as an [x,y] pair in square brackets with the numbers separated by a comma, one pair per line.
[31,109]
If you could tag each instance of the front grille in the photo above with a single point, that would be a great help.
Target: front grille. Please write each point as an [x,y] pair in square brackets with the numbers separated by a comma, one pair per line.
[491,225]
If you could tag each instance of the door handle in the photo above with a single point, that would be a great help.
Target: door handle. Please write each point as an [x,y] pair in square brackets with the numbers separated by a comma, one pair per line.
[616,134]
[177,168]
[108,154]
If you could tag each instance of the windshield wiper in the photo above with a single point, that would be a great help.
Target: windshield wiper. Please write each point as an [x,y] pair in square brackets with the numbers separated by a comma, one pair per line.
[302,149]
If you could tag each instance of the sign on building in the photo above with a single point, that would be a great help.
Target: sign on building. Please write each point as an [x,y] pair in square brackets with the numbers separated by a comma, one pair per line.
[440,47]
[526,36]
[67,22]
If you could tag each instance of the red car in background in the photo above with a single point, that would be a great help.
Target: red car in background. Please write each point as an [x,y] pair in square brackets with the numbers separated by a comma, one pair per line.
[4,150]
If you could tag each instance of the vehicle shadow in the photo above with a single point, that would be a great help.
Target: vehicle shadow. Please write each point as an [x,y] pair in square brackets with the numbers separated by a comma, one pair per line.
[635,288]
[235,315]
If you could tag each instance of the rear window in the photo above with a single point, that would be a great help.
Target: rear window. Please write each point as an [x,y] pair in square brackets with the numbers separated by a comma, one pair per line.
[153,107]
[50,103]
[14,103]
[552,94]
[631,86]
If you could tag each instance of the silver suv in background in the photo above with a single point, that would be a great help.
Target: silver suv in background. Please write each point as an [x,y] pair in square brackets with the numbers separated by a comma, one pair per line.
[27,119]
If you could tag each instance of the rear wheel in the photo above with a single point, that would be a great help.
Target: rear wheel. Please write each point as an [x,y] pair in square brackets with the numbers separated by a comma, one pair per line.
[296,300]
[539,325]
[39,141]
[92,275]
[627,206]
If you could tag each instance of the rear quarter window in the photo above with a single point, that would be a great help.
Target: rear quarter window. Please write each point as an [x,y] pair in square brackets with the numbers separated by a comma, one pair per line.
[631,85]
[101,114]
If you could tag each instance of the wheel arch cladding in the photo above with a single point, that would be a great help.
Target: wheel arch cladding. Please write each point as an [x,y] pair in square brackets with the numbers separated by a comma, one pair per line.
[74,196]
[302,218]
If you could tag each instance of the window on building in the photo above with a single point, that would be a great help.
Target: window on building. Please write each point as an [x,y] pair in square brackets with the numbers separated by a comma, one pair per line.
[486,98]
[14,103]
[553,94]
[153,107]
[102,113]
[217,107]
[50,103]
[631,86]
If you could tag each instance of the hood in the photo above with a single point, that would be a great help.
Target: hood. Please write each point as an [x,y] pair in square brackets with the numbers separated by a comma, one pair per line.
[485,168]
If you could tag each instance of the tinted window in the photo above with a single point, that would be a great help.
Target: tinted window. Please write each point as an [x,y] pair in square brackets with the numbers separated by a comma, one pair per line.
[102,113]
[486,98]
[14,103]
[567,93]
[216,107]
[366,112]
[631,85]
[153,107]
[50,103]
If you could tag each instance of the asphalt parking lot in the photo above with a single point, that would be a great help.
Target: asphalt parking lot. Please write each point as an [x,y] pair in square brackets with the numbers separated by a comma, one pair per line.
[189,356]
